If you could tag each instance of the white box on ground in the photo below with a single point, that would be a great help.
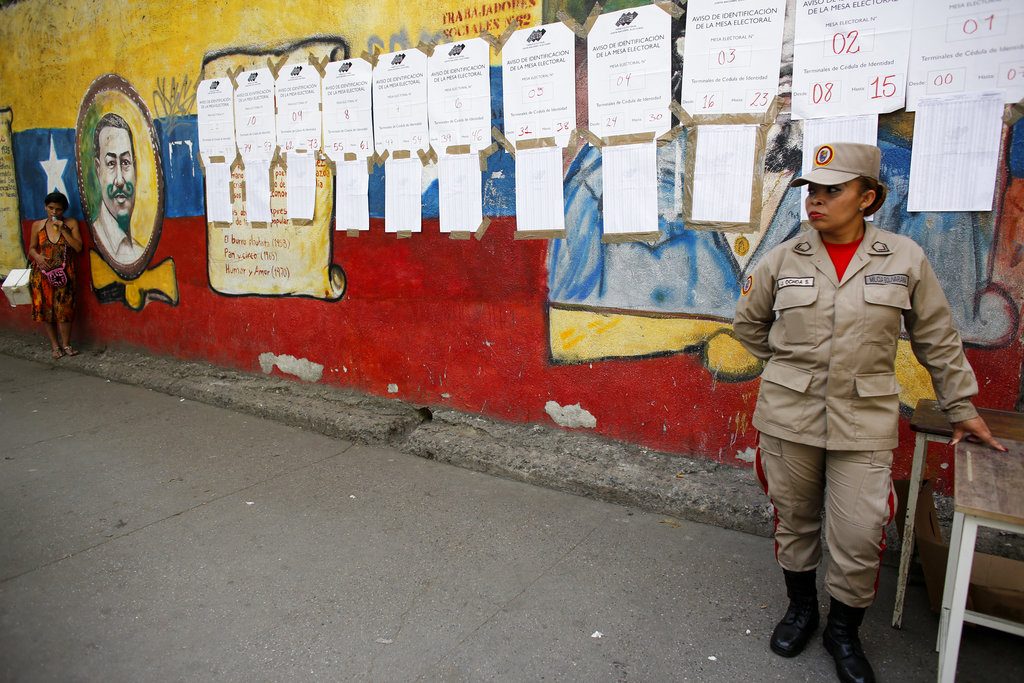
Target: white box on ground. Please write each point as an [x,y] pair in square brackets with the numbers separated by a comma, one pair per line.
[16,287]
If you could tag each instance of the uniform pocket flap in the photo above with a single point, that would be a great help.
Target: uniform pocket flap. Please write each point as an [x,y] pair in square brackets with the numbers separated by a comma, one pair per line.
[791,297]
[881,384]
[888,295]
[787,376]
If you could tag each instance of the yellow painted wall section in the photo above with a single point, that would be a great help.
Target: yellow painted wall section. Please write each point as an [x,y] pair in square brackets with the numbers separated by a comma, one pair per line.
[54,50]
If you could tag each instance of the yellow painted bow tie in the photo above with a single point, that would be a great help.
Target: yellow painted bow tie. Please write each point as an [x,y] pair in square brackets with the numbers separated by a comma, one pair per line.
[153,283]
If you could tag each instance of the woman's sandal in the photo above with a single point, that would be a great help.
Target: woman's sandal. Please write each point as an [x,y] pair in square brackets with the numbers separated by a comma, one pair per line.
[57,354]
[68,351]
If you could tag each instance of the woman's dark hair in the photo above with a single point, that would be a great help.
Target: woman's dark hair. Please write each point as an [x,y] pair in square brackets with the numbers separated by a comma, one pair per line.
[880,193]
[56,198]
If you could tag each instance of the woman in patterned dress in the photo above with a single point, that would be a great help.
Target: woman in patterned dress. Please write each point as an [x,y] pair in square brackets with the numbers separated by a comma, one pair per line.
[54,241]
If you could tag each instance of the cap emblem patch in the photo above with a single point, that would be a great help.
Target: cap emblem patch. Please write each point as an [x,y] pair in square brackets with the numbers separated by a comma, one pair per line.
[824,155]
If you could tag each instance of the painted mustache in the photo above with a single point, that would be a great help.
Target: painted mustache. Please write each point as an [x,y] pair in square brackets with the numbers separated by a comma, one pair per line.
[126,191]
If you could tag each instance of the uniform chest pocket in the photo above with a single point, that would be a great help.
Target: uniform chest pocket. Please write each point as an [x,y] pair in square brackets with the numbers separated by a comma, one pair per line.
[883,308]
[797,314]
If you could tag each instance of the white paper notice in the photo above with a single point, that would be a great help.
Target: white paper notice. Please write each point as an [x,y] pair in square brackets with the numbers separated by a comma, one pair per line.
[630,180]
[348,114]
[955,154]
[732,55]
[539,83]
[300,185]
[723,173]
[298,108]
[400,101]
[540,204]
[629,66]
[218,193]
[254,115]
[862,129]
[216,115]
[461,193]
[459,95]
[850,57]
[403,180]
[966,47]
[351,200]
[257,190]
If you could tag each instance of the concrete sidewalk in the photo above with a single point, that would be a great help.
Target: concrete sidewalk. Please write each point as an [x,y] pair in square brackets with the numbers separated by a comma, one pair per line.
[574,461]
[150,537]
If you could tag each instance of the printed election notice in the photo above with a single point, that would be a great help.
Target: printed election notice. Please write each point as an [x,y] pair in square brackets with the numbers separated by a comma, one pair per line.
[955,153]
[630,188]
[459,95]
[539,87]
[732,55]
[850,58]
[216,117]
[351,197]
[400,102]
[218,192]
[629,66]
[723,173]
[256,133]
[254,114]
[540,204]
[460,199]
[960,47]
[348,119]
[402,192]
[297,89]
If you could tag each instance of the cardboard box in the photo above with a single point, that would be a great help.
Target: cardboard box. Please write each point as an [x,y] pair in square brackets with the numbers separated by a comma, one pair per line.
[16,287]
[997,583]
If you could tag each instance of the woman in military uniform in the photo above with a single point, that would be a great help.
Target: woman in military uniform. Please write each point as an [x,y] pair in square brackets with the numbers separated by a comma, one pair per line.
[824,310]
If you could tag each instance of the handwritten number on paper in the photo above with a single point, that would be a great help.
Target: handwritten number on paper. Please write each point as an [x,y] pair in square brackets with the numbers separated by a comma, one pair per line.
[884,87]
[846,43]
[821,92]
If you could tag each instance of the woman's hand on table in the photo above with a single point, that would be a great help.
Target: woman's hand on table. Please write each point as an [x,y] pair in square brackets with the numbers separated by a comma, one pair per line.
[975,427]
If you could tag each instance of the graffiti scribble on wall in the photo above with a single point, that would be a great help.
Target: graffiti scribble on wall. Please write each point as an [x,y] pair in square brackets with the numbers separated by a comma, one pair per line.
[173,100]
[122,189]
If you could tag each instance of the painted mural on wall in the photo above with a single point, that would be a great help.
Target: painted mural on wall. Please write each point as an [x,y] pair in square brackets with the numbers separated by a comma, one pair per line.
[12,250]
[294,257]
[120,182]
[633,332]
[287,257]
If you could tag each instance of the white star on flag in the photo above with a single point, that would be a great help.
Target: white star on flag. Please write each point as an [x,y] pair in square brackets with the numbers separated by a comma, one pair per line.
[54,169]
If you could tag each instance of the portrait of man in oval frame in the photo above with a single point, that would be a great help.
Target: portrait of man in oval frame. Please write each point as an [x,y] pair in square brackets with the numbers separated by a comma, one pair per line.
[119,174]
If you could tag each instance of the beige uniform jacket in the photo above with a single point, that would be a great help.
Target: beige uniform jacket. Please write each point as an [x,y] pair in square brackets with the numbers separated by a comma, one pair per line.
[830,346]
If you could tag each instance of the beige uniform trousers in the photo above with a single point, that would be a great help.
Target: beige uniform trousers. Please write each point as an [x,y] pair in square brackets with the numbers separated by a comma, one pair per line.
[856,489]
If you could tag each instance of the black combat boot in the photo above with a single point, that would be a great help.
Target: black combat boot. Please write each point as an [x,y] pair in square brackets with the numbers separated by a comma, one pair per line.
[843,643]
[801,620]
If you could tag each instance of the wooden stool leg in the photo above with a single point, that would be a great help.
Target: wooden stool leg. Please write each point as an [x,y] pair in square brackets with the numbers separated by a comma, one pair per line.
[954,594]
[907,542]
[955,534]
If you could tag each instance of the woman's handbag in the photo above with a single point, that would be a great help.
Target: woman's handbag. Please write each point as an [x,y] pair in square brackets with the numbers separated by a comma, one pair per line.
[57,277]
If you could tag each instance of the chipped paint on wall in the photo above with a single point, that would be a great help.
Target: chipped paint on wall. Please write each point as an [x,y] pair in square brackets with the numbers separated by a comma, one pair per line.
[570,416]
[303,368]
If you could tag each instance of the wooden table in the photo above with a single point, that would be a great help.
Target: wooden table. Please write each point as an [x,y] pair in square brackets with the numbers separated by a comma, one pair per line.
[931,425]
[986,492]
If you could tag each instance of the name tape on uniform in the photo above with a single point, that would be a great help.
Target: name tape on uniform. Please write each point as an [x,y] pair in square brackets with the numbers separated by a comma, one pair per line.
[795,282]
[879,279]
